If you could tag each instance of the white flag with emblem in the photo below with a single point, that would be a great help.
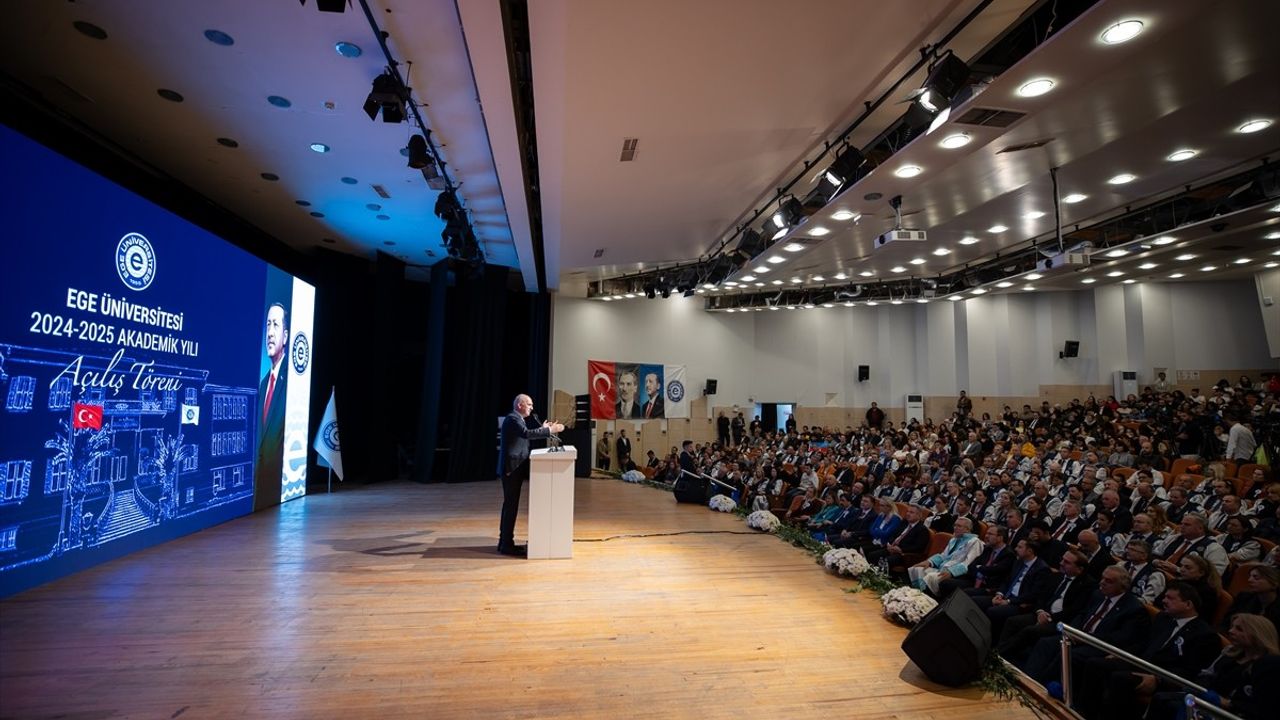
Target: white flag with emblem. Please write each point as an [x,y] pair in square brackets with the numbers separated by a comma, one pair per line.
[326,442]
[190,414]
[675,393]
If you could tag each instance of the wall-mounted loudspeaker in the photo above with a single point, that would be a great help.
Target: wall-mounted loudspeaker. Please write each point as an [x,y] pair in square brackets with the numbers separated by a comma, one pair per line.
[711,387]
[864,373]
[1070,349]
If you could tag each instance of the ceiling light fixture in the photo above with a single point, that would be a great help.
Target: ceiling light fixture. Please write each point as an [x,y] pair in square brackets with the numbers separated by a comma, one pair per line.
[819,278]
[320,148]
[1164,240]
[388,97]
[997,228]
[1272,236]
[954,298]
[941,251]
[1241,261]
[841,276]
[948,75]
[1036,88]
[1118,252]
[1033,276]
[1122,31]
[872,303]
[908,171]
[844,170]
[968,240]
[978,291]
[1180,155]
[1185,257]
[1089,281]
[747,278]
[1122,179]
[866,273]
[775,282]
[1130,281]
[1148,266]
[709,286]
[793,247]
[1175,276]
[789,214]
[775,259]
[1033,215]
[1115,273]
[895,302]
[1271,265]
[959,140]
[762,269]
[916,261]
[1074,198]
[1208,268]
[843,215]
[1028,287]
[796,281]
[897,269]
[1253,126]
[819,231]
[1004,284]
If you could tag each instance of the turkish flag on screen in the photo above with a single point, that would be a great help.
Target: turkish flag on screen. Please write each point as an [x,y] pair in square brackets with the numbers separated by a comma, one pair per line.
[86,416]
[604,394]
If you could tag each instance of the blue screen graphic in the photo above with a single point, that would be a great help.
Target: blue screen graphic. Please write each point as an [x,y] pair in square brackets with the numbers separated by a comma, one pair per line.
[132,344]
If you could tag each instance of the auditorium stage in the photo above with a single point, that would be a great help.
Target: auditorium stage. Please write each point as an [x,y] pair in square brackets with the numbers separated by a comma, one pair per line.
[389,601]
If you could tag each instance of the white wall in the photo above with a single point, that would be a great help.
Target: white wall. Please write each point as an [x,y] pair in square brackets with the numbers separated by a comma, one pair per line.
[1004,345]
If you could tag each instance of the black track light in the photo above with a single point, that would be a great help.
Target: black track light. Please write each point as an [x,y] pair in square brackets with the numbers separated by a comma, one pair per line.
[419,158]
[790,213]
[844,170]
[947,76]
[387,97]
[330,6]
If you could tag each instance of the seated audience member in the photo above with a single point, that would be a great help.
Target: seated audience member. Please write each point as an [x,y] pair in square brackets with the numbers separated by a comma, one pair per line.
[1181,642]
[953,561]
[940,519]
[1260,598]
[1113,615]
[803,507]
[1050,550]
[1195,571]
[1192,540]
[884,529]
[1238,541]
[1146,581]
[857,529]
[911,542]
[820,523]
[1021,593]
[1067,527]
[988,570]
[1245,675]
[1073,589]
[1099,557]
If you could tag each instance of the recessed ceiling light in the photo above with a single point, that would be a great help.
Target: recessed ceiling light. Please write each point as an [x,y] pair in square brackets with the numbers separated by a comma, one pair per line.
[872,303]
[709,286]
[731,283]
[763,269]
[1175,276]
[793,247]
[773,307]
[731,310]
[1254,126]
[1004,284]
[1089,281]
[954,298]
[969,240]
[747,278]
[1118,252]
[1033,276]
[997,229]
[1115,273]
[1074,198]
[796,281]
[1148,266]
[848,304]
[1276,208]
[1208,268]
[978,291]
[1122,31]
[922,301]
[1164,240]
[759,284]
[320,147]
[347,49]
[629,295]
[941,251]
[867,273]
[1271,265]
[818,278]
[916,261]
[1185,257]
[895,302]
[1036,88]
[828,305]
[958,140]
[807,306]
[1130,281]
[818,231]
[1028,287]
[1273,236]
[908,171]
[1033,215]
[841,276]
[898,269]
[775,282]
[1180,155]
[775,259]
[843,215]
[1123,178]
[1276,252]
[1241,261]
[607,299]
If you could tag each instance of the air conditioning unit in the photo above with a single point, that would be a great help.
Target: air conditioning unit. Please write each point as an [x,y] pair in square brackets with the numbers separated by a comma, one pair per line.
[1065,261]
[1124,383]
[901,236]
[915,407]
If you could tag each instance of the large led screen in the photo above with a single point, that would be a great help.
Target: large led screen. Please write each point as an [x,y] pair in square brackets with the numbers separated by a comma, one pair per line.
[154,379]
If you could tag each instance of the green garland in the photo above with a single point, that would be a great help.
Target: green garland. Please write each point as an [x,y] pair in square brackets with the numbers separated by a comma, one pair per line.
[997,677]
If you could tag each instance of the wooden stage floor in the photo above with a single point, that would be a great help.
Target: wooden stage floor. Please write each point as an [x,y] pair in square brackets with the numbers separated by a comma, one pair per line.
[389,601]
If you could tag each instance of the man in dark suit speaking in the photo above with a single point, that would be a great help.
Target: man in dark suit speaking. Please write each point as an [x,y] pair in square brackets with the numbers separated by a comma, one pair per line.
[269,467]
[513,467]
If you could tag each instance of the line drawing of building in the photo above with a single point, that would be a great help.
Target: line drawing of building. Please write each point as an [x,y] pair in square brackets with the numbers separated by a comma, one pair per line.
[79,488]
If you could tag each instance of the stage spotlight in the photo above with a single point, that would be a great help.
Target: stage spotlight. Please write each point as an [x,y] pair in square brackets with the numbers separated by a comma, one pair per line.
[790,213]
[419,158]
[751,244]
[650,291]
[843,170]
[330,6]
[946,78]
[388,97]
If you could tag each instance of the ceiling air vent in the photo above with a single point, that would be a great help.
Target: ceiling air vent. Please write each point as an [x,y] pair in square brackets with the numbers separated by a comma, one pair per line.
[1026,146]
[629,149]
[382,192]
[988,117]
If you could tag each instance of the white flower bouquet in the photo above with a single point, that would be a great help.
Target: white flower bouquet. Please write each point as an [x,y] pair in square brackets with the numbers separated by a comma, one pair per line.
[845,561]
[722,503]
[907,605]
[633,476]
[763,520]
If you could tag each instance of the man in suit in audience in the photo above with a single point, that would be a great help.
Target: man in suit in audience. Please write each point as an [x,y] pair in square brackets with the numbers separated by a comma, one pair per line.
[1180,642]
[1067,527]
[1099,557]
[1023,591]
[1050,550]
[910,543]
[1069,596]
[987,573]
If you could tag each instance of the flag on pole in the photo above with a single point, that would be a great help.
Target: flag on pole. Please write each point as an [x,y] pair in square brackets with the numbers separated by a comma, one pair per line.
[677,400]
[190,414]
[326,443]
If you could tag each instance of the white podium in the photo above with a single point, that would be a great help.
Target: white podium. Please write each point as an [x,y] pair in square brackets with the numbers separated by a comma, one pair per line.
[551,503]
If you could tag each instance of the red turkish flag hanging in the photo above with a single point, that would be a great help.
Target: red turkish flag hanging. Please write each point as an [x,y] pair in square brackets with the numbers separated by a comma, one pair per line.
[86,416]
[604,394]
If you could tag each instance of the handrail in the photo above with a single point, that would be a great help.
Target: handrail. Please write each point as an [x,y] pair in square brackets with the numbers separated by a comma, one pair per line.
[1197,705]
[1071,634]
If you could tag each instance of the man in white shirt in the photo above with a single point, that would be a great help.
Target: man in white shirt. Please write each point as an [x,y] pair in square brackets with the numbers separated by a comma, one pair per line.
[1240,442]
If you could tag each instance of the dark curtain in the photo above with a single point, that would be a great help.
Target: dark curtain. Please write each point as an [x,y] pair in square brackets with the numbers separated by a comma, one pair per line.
[474,350]
[432,369]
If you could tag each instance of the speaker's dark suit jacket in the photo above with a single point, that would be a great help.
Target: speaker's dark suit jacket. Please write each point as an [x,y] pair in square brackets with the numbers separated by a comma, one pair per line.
[516,434]
[268,469]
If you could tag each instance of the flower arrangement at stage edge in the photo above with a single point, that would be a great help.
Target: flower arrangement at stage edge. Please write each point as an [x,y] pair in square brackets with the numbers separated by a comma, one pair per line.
[763,520]
[845,561]
[907,605]
[633,476]
[722,503]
